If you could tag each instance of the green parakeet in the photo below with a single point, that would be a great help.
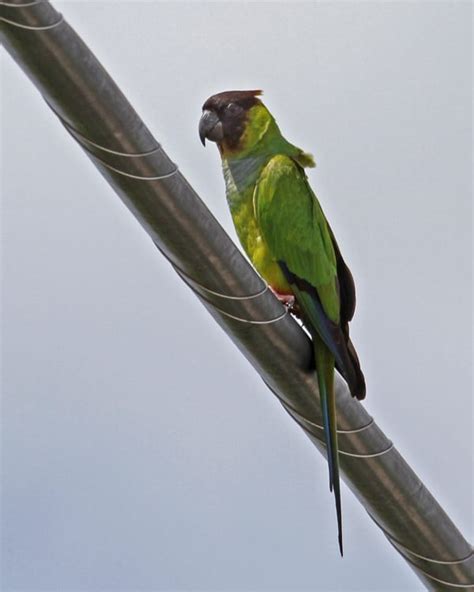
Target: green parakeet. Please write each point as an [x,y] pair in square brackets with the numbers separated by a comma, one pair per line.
[284,232]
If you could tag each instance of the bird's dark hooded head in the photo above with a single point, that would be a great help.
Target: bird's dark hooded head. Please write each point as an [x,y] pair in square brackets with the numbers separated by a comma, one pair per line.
[226,116]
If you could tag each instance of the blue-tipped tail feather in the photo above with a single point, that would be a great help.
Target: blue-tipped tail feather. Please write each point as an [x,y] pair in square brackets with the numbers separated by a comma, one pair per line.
[325,370]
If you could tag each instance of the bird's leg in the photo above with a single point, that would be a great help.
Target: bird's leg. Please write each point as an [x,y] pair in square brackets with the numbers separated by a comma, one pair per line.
[288,300]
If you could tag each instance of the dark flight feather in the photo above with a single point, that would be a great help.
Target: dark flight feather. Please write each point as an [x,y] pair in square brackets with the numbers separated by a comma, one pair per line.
[334,336]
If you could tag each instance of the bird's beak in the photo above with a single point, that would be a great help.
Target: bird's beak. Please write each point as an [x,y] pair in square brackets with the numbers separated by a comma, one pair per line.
[210,127]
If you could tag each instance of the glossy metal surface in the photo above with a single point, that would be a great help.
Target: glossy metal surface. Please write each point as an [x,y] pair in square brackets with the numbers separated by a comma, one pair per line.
[99,117]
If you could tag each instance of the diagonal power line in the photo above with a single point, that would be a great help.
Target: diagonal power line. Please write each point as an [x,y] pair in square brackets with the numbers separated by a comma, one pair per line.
[98,116]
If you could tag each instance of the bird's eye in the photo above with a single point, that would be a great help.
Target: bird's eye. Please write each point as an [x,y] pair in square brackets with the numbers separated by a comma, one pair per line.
[232,108]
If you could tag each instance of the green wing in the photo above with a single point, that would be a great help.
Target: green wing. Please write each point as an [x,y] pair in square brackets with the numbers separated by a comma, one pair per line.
[295,229]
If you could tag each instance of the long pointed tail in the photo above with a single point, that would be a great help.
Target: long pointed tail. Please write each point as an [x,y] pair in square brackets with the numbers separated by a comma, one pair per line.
[325,370]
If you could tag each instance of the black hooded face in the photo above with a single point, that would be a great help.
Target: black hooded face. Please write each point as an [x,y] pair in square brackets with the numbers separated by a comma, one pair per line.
[225,114]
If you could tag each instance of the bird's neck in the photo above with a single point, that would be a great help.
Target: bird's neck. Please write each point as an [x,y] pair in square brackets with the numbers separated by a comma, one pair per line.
[241,175]
[242,169]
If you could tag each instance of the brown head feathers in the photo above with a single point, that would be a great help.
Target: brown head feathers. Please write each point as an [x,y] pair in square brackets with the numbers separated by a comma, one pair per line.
[227,113]
[244,98]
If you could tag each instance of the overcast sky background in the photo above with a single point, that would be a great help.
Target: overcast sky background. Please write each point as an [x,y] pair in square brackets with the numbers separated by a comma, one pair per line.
[140,449]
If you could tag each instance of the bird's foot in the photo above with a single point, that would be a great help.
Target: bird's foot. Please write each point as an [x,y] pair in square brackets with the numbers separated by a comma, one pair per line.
[289,302]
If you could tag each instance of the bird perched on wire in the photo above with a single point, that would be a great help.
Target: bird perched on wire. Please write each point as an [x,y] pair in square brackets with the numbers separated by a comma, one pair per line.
[284,232]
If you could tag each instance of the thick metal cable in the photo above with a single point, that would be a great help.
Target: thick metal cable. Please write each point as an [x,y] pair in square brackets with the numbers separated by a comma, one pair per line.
[117,141]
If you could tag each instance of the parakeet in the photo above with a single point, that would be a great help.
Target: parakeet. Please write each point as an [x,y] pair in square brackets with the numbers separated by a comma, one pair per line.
[284,232]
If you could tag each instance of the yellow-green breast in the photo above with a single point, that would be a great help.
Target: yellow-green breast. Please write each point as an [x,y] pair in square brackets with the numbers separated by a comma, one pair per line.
[241,177]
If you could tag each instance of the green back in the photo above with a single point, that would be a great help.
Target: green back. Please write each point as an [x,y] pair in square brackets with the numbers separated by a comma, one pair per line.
[293,225]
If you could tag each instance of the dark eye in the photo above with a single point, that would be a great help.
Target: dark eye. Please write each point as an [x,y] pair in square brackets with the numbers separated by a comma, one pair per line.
[232,108]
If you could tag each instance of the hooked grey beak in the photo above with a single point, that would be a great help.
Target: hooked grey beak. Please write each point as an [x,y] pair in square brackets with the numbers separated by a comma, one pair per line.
[210,127]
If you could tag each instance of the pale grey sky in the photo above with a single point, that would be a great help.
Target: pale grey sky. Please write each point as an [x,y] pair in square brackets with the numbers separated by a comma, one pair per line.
[140,449]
